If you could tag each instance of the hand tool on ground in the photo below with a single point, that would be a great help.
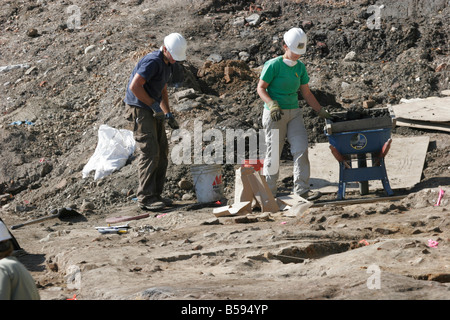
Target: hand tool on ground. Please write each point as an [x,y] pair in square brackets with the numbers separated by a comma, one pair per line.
[126,218]
[115,229]
[63,214]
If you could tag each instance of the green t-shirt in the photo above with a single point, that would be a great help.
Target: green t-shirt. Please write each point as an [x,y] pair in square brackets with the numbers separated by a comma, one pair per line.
[284,81]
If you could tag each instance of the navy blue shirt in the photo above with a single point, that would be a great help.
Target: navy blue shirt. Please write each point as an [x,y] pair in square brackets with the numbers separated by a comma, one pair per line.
[156,72]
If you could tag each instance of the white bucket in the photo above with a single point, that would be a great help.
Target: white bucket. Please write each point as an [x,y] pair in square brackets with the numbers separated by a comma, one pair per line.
[207,182]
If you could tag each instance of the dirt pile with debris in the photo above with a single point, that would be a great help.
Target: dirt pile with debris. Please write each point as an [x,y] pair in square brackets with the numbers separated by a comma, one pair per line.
[62,78]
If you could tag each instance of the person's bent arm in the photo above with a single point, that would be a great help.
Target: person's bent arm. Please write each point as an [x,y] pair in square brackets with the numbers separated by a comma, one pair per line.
[310,98]
[137,87]
[262,92]
[165,101]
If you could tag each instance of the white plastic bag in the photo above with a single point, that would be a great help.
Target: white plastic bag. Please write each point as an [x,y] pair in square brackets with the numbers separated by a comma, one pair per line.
[114,148]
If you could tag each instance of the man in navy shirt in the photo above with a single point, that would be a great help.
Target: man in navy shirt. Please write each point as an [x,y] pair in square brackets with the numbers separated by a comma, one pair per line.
[148,98]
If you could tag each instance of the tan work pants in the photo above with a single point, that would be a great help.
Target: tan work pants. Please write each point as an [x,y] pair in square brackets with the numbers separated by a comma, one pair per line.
[153,149]
[292,127]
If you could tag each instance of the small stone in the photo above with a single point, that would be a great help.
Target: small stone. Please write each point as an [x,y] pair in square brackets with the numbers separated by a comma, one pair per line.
[32,33]
[89,49]
[240,21]
[350,56]
[187,196]
[254,19]
[244,56]
[307,25]
[214,57]
[369,104]
[185,184]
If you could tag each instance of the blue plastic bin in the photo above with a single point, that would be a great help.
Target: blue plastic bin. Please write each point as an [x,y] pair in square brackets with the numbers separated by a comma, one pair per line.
[363,141]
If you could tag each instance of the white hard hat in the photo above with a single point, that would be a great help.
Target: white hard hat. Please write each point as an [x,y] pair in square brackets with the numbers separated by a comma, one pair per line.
[176,45]
[295,40]
[4,233]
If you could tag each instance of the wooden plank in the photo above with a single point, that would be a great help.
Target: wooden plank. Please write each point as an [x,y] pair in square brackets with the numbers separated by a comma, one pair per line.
[347,202]
[430,109]
[423,125]
[361,124]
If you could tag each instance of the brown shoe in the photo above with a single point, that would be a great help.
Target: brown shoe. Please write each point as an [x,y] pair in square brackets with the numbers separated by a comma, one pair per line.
[152,204]
[167,202]
[311,195]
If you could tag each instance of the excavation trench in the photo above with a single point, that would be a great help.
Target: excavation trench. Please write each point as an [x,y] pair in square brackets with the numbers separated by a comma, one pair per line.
[316,250]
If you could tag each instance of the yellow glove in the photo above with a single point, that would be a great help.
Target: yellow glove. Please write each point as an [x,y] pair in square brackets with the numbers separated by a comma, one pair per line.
[275,110]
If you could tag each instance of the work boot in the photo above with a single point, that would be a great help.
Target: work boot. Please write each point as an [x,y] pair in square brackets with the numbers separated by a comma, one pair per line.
[152,204]
[311,195]
[167,202]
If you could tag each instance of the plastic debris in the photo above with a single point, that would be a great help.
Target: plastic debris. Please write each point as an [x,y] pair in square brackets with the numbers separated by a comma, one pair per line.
[364,242]
[117,229]
[18,123]
[113,149]
[432,243]
[441,194]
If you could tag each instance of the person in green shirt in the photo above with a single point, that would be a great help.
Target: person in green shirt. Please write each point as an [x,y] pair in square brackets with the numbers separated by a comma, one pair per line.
[280,80]
[16,282]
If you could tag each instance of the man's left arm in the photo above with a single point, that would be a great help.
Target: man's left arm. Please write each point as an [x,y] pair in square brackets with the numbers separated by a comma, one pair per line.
[165,101]
[166,109]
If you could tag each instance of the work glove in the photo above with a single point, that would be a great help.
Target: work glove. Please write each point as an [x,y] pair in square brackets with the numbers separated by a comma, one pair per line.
[275,110]
[324,114]
[158,115]
[171,121]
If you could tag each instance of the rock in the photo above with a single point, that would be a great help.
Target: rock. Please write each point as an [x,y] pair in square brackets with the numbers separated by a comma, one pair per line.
[186,106]
[245,219]
[254,19]
[385,231]
[442,66]
[29,71]
[33,33]
[185,94]
[350,56]
[323,48]
[187,197]
[89,49]
[345,85]
[307,25]
[185,184]
[87,206]
[46,169]
[239,21]
[214,57]
[211,221]
[244,56]
[369,104]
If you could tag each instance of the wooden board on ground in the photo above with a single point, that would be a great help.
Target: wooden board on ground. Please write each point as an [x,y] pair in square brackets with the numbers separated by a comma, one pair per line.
[404,165]
[423,124]
[430,109]
[127,218]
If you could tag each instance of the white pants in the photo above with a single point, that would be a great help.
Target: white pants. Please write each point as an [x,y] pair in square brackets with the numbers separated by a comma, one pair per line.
[290,125]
